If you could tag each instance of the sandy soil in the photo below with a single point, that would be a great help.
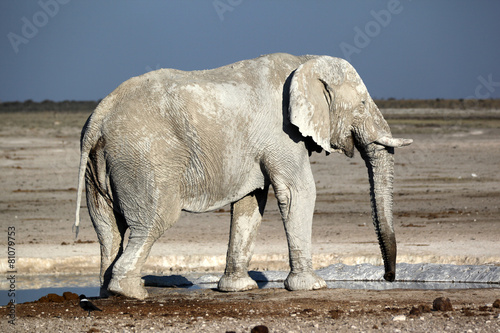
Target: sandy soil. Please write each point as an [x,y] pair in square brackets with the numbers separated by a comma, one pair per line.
[446,210]
[332,310]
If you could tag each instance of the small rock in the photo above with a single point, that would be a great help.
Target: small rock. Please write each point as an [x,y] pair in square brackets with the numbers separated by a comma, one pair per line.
[70,296]
[415,311]
[399,318]
[422,308]
[335,314]
[260,329]
[468,313]
[51,298]
[442,304]
[496,304]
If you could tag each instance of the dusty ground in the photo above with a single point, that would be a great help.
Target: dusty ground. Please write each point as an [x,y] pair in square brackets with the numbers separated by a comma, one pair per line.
[446,210]
[333,310]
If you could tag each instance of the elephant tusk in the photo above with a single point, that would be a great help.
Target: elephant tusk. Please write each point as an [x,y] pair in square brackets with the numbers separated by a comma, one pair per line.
[392,142]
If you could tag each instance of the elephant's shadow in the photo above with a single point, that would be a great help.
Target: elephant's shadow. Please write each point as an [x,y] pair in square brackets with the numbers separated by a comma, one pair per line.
[179,281]
[173,281]
[260,278]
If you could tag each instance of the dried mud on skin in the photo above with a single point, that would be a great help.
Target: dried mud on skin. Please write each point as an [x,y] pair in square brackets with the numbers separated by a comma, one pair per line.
[446,209]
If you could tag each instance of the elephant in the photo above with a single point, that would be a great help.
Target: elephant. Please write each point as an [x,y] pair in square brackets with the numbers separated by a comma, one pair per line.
[169,141]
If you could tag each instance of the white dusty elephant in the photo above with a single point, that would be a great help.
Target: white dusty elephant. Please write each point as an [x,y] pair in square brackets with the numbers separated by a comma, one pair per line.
[170,140]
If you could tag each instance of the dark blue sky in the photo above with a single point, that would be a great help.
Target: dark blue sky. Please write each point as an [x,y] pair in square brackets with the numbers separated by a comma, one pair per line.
[82,50]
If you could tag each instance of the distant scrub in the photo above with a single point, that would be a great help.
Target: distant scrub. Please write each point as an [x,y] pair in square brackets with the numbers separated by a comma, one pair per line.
[438,103]
[47,105]
[391,103]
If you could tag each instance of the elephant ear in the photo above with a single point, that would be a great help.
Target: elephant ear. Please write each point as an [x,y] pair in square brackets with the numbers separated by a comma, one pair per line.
[318,99]
[309,106]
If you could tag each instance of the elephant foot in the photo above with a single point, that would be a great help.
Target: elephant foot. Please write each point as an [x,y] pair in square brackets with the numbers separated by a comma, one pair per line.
[129,287]
[304,281]
[236,283]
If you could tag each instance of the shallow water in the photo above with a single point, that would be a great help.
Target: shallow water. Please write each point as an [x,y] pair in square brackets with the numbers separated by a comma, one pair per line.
[364,276]
[30,295]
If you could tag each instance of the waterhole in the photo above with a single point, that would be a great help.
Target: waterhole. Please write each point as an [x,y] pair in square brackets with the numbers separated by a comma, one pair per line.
[363,276]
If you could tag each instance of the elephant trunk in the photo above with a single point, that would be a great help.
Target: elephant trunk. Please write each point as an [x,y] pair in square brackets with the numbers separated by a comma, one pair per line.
[380,163]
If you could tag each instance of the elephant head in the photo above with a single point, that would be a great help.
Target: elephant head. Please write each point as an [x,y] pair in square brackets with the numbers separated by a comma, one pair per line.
[330,103]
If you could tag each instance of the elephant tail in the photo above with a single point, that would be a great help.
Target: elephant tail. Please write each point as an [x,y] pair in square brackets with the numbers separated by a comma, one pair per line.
[91,133]
[81,179]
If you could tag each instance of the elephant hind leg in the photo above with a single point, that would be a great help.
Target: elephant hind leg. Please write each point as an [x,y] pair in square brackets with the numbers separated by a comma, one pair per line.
[246,215]
[126,276]
[110,227]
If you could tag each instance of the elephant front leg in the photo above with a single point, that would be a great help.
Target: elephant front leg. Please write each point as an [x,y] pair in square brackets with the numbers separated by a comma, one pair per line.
[246,215]
[297,208]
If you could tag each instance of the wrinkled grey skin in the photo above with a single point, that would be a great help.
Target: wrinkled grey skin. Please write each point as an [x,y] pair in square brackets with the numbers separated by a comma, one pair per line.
[169,140]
